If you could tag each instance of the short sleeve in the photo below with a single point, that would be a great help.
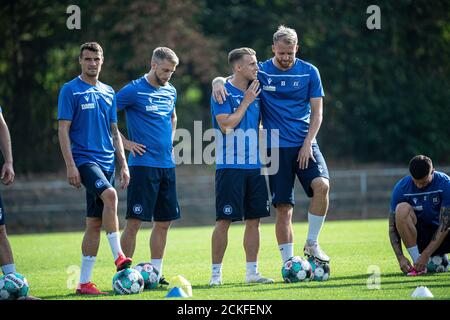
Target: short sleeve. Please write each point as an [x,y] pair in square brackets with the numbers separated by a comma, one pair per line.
[315,85]
[66,104]
[446,192]
[397,197]
[113,111]
[218,109]
[125,97]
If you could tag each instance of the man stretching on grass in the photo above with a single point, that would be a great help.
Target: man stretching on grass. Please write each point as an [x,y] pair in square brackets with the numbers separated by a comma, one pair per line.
[420,210]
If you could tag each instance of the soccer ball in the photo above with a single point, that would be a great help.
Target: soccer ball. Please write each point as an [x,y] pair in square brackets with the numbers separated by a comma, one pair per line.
[320,270]
[128,281]
[296,269]
[149,274]
[13,286]
[438,263]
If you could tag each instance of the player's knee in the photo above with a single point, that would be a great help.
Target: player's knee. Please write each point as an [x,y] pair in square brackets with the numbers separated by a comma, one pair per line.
[252,223]
[94,225]
[403,211]
[109,197]
[284,210]
[3,234]
[320,186]
[162,225]
[133,225]
[223,224]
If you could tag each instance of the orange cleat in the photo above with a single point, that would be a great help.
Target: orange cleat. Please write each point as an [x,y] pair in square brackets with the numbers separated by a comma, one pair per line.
[89,289]
[122,262]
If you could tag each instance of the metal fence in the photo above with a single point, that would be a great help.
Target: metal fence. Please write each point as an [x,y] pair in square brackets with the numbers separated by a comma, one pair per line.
[51,204]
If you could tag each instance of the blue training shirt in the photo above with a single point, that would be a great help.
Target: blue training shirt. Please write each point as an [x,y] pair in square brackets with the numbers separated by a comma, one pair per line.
[149,121]
[239,149]
[285,96]
[426,202]
[91,109]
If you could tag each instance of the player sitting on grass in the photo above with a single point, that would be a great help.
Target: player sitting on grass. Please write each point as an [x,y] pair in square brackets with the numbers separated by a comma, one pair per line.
[420,209]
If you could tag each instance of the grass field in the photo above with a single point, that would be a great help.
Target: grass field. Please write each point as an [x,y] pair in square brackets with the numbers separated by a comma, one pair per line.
[357,248]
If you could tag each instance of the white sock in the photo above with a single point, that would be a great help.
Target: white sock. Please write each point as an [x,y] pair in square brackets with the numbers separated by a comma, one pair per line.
[87,265]
[252,267]
[286,250]
[158,264]
[114,243]
[315,224]
[9,268]
[414,253]
[216,270]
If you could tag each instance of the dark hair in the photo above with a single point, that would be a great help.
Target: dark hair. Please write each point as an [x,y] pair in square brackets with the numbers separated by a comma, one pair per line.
[420,166]
[237,54]
[91,46]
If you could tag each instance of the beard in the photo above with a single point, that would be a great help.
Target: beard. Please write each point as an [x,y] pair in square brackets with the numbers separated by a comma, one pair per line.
[159,80]
[285,64]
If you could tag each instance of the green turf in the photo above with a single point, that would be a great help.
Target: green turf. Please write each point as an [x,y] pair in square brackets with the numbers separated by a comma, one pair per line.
[49,261]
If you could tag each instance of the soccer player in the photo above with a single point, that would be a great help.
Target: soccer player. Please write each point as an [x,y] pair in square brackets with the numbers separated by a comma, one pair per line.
[241,190]
[149,104]
[291,109]
[7,177]
[89,137]
[420,209]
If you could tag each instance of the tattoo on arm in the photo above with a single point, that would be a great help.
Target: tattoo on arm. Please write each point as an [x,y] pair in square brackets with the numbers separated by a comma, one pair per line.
[394,236]
[444,219]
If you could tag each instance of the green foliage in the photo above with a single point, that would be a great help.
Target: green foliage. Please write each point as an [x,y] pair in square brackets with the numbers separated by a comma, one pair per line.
[386,90]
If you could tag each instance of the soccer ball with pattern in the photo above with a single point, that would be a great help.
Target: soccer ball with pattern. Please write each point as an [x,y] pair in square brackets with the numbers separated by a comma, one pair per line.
[149,274]
[128,281]
[438,263]
[296,269]
[13,286]
[320,270]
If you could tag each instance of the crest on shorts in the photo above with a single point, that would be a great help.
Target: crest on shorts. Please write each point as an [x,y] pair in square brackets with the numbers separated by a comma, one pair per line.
[99,183]
[137,209]
[228,209]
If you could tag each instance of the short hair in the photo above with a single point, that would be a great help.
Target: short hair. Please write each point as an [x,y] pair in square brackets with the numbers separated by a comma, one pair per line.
[237,54]
[285,34]
[420,166]
[91,46]
[164,53]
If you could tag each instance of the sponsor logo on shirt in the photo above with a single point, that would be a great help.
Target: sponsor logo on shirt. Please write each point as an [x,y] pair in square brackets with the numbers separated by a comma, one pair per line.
[151,108]
[269,88]
[85,106]
[418,208]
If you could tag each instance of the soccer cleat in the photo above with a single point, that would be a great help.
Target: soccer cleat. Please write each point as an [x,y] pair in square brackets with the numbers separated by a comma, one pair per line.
[316,252]
[415,273]
[163,281]
[89,289]
[215,281]
[257,278]
[123,262]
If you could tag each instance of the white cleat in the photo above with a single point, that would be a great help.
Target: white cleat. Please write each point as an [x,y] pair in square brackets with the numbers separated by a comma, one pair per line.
[257,278]
[316,252]
[215,281]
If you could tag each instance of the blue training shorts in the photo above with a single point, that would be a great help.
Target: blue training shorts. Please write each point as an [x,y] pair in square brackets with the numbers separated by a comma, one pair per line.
[152,194]
[282,183]
[95,180]
[241,193]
